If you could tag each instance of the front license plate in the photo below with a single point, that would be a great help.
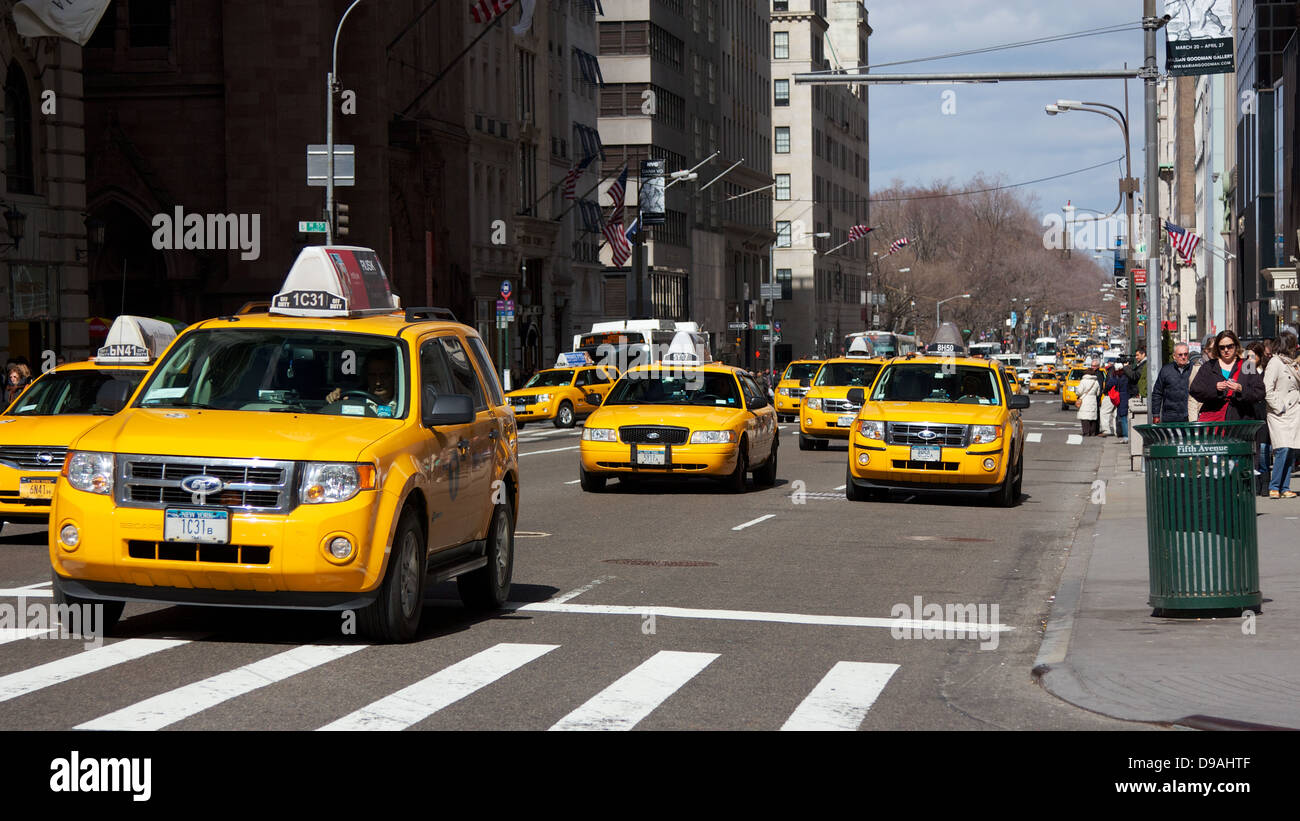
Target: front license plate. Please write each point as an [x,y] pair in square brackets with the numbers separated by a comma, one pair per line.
[36,488]
[206,526]
[521,409]
[926,453]
[846,420]
[649,456]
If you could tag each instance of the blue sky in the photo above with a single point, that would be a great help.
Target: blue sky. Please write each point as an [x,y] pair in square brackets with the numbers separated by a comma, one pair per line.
[1001,129]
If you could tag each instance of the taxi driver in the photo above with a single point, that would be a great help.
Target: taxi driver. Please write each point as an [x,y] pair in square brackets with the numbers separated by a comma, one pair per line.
[378,389]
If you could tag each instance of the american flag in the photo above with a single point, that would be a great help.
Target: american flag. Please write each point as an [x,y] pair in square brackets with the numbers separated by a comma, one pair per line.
[571,179]
[897,245]
[617,239]
[484,10]
[1184,241]
[618,189]
[857,232]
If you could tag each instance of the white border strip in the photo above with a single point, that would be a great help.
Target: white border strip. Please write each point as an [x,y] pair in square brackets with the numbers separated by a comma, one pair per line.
[623,704]
[840,701]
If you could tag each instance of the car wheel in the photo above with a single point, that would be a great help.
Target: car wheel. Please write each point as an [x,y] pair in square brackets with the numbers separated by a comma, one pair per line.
[823,444]
[109,615]
[564,417]
[488,588]
[851,491]
[766,475]
[736,481]
[1006,495]
[805,443]
[589,482]
[395,615]
[1020,480]
[520,425]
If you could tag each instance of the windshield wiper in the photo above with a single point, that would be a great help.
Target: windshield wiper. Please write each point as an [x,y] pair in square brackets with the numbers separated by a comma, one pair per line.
[200,405]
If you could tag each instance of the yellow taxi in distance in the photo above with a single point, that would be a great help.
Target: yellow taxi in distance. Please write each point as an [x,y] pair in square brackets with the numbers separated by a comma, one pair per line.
[938,425]
[331,452]
[61,405]
[790,390]
[1070,390]
[827,412]
[560,394]
[681,417]
[1044,380]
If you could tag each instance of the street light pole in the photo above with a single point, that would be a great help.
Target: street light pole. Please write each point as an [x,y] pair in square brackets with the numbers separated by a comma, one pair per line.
[331,81]
[940,302]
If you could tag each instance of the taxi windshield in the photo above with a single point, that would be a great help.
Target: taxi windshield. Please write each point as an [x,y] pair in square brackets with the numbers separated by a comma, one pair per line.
[317,372]
[550,379]
[801,370]
[848,374]
[937,382]
[75,392]
[1077,373]
[676,387]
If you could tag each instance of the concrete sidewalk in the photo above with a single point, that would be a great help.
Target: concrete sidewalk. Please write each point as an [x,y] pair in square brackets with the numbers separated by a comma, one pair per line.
[1104,651]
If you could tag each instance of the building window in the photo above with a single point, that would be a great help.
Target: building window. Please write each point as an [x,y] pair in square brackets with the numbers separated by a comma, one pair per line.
[783,234]
[526,99]
[784,276]
[783,139]
[625,38]
[783,186]
[781,95]
[780,45]
[149,23]
[105,35]
[780,5]
[18,132]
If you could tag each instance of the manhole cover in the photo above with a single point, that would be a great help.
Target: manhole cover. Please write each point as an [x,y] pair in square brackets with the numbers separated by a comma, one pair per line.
[658,563]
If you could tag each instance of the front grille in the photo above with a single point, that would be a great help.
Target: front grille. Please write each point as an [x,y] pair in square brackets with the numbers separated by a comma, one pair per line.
[640,435]
[195,552]
[907,464]
[910,433]
[33,457]
[796,392]
[249,484]
[523,400]
[833,405]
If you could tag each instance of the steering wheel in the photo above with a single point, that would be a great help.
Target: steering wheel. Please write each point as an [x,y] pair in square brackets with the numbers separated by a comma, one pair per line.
[363,395]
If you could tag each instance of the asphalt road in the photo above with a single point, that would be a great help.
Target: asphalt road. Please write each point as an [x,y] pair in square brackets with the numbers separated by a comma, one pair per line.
[661,606]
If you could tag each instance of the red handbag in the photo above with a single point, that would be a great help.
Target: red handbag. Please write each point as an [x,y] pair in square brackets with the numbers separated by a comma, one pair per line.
[1114,396]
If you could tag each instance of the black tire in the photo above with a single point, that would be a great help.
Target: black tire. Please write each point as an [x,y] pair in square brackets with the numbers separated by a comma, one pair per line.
[394,617]
[564,417]
[109,615]
[851,491]
[805,443]
[766,475]
[1007,495]
[823,444]
[520,425]
[736,481]
[1020,480]
[488,588]
[1065,406]
[589,482]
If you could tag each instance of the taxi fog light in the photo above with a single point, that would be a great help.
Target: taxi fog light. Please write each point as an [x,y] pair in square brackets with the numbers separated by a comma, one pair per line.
[808,421]
[814,404]
[91,472]
[863,458]
[324,482]
[600,434]
[871,429]
[69,535]
[985,434]
[340,548]
[711,437]
[989,464]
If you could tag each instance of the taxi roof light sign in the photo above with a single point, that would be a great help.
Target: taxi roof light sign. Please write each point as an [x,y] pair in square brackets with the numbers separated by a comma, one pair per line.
[682,350]
[135,340]
[860,347]
[570,359]
[336,280]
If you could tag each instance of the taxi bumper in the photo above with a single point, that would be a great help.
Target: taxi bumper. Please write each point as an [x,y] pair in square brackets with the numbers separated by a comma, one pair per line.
[788,405]
[825,425]
[614,458]
[959,470]
[270,560]
[533,413]
[26,501]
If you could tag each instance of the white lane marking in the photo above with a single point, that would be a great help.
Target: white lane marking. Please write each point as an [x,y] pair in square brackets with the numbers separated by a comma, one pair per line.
[577,591]
[90,661]
[552,450]
[840,701]
[25,593]
[623,704]
[841,487]
[9,634]
[574,482]
[1033,437]
[754,521]
[1074,439]
[1048,423]
[425,697]
[961,627]
[183,702]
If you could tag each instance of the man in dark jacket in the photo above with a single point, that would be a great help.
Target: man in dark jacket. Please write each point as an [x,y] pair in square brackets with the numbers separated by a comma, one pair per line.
[1119,381]
[1137,373]
[1169,396]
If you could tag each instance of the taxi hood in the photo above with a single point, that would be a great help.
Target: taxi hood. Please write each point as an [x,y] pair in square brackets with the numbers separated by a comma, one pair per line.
[237,434]
[46,431]
[940,413]
[695,417]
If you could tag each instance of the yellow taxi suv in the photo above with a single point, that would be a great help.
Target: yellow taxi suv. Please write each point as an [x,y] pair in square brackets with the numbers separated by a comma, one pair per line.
[938,425]
[560,394]
[1044,381]
[681,418]
[828,413]
[331,452]
[61,405]
[790,389]
[1070,389]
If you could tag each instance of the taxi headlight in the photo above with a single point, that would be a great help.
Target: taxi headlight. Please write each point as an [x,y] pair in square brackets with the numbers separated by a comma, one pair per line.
[813,404]
[712,437]
[334,482]
[543,398]
[600,434]
[985,434]
[784,391]
[91,472]
[871,430]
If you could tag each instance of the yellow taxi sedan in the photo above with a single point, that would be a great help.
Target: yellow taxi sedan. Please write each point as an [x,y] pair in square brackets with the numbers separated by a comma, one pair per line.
[1070,390]
[560,395]
[938,425]
[1044,381]
[790,390]
[681,419]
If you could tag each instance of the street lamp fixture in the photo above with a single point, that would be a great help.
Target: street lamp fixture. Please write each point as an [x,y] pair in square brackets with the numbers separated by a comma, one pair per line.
[15,223]
[940,302]
[94,237]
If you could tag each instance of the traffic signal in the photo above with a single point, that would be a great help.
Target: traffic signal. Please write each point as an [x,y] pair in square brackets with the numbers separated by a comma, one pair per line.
[341,219]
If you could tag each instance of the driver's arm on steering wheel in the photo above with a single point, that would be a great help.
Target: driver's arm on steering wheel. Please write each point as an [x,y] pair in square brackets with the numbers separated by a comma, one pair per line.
[333,396]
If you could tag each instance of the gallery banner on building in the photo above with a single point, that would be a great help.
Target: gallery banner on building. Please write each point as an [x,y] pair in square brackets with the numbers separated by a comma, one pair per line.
[1198,37]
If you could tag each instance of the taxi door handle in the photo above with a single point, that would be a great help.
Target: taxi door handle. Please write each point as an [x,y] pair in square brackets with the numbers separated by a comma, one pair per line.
[462,445]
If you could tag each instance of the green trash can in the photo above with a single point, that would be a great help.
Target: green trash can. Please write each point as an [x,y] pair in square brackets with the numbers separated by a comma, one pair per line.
[1202,540]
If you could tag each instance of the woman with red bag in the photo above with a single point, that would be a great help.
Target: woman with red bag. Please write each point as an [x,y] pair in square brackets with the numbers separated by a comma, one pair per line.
[1226,390]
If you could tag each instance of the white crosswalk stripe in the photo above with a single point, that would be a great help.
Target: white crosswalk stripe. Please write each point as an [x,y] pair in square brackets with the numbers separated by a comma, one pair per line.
[840,701]
[623,704]
[1074,439]
[183,702]
[1033,437]
[426,697]
[85,663]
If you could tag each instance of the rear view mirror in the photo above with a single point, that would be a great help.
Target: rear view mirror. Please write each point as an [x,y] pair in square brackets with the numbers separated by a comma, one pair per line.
[1018,402]
[112,395]
[805,382]
[446,409]
[857,396]
[594,398]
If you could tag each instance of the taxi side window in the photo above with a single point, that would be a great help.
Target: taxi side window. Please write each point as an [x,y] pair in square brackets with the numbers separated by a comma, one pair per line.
[583,380]
[487,370]
[462,371]
[753,397]
[435,373]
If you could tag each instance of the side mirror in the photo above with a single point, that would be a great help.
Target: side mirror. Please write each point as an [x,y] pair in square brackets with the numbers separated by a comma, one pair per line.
[446,409]
[112,395]
[594,398]
[857,396]
[1018,402]
[805,382]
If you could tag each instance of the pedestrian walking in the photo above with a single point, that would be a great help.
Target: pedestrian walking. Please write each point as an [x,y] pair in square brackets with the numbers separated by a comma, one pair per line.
[1258,355]
[1106,413]
[1089,392]
[1206,354]
[1137,372]
[1119,388]
[1282,395]
[1169,394]
[1226,390]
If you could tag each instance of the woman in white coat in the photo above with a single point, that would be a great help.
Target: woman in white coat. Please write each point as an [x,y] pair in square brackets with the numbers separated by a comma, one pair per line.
[1089,391]
[1282,391]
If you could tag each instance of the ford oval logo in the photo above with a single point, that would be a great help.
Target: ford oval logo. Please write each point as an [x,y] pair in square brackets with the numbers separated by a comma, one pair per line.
[652,435]
[44,457]
[201,484]
[927,434]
